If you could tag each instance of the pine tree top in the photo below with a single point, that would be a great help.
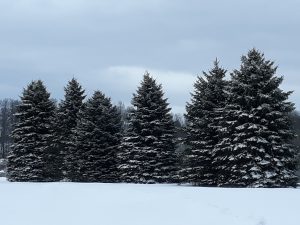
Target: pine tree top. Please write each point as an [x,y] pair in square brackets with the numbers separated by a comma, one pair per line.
[254,67]
[35,97]
[150,96]
[216,73]
[100,111]
[68,110]
[208,90]
[98,100]
[35,89]
[257,79]
[74,93]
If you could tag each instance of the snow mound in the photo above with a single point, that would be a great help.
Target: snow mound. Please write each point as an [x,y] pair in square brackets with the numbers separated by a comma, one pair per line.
[129,204]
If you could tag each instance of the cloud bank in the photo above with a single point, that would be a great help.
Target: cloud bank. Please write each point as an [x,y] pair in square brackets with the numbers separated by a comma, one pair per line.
[108,44]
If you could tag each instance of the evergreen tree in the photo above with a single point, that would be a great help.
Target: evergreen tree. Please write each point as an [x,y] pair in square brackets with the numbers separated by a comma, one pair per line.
[148,150]
[7,121]
[295,117]
[255,150]
[97,137]
[67,118]
[33,152]
[203,118]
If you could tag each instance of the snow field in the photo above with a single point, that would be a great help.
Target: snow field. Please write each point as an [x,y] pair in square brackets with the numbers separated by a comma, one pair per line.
[130,204]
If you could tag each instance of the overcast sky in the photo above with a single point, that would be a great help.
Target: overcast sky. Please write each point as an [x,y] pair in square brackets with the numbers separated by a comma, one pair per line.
[108,44]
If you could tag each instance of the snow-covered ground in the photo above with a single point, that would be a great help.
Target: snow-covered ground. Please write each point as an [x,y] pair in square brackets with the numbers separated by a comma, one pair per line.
[129,204]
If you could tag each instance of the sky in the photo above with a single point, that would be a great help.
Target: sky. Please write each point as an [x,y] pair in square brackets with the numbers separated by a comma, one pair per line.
[108,44]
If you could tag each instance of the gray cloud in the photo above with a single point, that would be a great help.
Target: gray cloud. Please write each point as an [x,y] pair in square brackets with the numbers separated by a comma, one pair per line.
[108,44]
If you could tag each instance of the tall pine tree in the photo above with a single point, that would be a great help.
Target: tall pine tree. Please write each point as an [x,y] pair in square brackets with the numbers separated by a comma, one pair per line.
[33,153]
[147,152]
[67,118]
[255,150]
[97,137]
[203,116]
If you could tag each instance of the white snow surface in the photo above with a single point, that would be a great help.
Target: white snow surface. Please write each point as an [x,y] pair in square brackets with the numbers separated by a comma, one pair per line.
[131,204]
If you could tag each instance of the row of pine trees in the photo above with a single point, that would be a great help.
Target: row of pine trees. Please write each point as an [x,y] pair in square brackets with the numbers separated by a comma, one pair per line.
[238,133]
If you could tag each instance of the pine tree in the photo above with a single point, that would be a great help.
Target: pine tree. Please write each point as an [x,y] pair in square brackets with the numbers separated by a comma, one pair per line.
[67,118]
[255,149]
[203,118]
[33,152]
[147,152]
[97,137]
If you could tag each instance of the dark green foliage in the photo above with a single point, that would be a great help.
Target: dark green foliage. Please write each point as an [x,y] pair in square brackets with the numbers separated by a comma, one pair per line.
[66,119]
[255,150]
[7,120]
[96,141]
[33,152]
[295,117]
[148,149]
[203,118]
